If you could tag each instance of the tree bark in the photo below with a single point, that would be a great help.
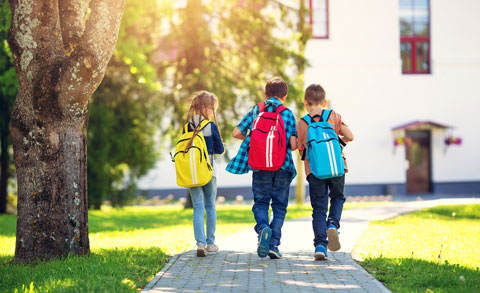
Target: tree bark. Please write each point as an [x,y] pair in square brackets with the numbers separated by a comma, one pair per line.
[60,59]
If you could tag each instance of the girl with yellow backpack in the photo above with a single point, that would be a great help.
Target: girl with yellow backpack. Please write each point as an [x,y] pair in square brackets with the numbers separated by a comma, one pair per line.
[196,169]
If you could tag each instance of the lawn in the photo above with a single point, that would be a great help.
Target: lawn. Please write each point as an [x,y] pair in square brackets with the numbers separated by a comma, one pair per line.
[433,250]
[128,247]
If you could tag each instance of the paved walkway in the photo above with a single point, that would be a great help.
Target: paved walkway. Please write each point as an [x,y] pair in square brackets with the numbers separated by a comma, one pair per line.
[237,268]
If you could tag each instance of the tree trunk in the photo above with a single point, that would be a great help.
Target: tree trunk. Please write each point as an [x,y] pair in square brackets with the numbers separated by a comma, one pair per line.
[60,58]
[300,188]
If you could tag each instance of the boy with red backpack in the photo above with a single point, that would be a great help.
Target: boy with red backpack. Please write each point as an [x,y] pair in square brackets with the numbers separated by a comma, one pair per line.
[269,135]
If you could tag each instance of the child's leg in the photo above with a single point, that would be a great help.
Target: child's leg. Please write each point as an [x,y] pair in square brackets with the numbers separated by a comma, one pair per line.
[337,198]
[280,192]
[198,214]
[262,190]
[319,201]
[210,191]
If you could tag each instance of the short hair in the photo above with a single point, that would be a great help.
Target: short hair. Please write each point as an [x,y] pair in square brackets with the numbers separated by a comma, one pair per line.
[276,87]
[315,94]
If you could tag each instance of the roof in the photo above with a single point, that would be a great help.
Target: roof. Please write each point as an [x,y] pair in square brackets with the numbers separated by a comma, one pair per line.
[421,125]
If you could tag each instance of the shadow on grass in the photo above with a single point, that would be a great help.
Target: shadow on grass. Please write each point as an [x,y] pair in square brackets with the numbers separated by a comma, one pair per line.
[414,275]
[116,270]
[137,218]
[161,219]
[130,220]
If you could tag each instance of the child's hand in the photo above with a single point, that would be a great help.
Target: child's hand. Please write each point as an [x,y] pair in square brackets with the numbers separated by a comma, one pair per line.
[236,133]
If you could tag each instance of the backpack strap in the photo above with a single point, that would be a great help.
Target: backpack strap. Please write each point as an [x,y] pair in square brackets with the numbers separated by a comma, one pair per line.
[326,115]
[280,109]
[261,106]
[201,126]
[307,119]
[187,126]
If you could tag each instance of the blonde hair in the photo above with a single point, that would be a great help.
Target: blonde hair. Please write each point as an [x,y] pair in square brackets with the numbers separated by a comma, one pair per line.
[202,101]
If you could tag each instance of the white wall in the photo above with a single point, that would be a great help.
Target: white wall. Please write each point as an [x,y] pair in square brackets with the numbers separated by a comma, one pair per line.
[360,69]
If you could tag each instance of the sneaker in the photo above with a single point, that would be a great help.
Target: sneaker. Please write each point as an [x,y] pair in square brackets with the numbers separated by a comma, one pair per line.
[201,251]
[273,253]
[263,242]
[212,248]
[320,252]
[332,235]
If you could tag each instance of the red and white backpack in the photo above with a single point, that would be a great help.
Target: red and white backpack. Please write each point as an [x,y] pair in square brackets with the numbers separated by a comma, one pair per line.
[268,141]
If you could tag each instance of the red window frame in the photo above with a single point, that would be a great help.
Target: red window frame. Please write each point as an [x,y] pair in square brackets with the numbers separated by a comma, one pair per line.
[327,21]
[413,41]
[414,60]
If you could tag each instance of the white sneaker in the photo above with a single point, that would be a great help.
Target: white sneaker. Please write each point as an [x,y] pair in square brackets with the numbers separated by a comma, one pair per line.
[201,251]
[212,248]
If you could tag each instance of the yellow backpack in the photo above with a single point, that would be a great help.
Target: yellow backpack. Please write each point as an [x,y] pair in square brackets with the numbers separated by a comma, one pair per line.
[193,164]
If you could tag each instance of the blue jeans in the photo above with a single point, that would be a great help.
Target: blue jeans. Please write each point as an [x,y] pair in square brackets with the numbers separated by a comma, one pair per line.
[198,194]
[274,186]
[320,191]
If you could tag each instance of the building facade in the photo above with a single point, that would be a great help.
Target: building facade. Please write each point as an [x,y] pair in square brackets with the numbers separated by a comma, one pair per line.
[404,75]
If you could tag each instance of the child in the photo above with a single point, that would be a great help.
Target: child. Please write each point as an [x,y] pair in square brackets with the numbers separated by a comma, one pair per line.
[204,105]
[321,189]
[268,185]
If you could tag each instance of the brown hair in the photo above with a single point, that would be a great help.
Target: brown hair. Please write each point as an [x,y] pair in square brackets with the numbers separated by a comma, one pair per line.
[314,94]
[202,101]
[276,87]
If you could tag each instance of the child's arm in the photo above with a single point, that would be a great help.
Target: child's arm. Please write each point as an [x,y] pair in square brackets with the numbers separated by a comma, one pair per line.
[301,137]
[293,143]
[346,132]
[242,128]
[218,147]
[236,133]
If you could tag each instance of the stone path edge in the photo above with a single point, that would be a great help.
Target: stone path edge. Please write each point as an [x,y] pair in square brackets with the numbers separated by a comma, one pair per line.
[379,284]
[163,271]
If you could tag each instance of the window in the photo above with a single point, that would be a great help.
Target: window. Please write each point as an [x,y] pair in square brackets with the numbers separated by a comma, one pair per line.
[319,18]
[415,36]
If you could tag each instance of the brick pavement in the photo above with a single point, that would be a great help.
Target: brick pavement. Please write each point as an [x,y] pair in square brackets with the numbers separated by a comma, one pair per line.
[237,268]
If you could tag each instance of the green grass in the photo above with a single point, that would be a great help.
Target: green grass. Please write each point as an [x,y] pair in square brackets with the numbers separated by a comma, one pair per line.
[128,247]
[433,250]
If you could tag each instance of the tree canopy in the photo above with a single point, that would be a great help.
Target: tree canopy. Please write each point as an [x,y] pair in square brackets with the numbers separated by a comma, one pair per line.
[166,51]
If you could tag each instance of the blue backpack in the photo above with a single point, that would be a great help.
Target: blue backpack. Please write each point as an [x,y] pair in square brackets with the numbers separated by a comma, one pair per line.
[323,148]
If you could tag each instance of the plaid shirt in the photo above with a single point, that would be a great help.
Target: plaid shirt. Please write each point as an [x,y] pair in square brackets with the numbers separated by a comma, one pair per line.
[239,164]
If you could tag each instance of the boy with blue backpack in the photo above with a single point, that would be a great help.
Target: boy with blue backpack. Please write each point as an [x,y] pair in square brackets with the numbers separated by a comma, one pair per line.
[321,137]
[269,135]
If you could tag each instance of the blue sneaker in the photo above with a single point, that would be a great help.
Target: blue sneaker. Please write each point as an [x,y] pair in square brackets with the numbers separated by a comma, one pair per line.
[320,252]
[332,236]
[273,253]
[263,242]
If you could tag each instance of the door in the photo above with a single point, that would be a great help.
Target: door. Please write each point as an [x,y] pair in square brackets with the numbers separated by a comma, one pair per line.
[419,162]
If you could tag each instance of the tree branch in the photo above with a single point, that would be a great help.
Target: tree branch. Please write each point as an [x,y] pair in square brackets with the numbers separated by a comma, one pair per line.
[72,21]
[89,60]
[102,31]
[34,26]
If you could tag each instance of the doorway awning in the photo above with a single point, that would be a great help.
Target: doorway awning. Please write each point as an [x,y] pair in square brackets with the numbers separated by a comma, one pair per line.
[421,125]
